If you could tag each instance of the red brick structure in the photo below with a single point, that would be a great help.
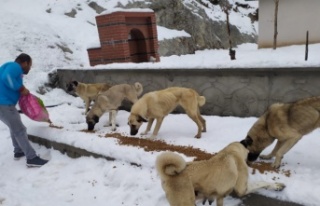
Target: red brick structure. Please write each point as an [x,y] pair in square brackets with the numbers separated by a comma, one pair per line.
[125,36]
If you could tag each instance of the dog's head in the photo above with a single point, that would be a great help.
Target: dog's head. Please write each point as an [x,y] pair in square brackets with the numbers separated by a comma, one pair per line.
[135,121]
[258,138]
[92,120]
[71,86]
[256,144]
[248,143]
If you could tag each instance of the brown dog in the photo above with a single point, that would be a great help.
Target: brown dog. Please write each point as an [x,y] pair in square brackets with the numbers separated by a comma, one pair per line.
[110,101]
[215,178]
[158,104]
[287,123]
[87,92]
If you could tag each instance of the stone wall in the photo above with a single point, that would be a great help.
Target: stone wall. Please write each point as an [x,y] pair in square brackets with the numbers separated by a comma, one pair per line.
[229,92]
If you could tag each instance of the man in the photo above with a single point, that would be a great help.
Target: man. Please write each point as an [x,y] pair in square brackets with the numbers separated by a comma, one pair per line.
[11,88]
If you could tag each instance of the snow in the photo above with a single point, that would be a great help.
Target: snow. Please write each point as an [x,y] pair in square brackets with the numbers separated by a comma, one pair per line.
[27,27]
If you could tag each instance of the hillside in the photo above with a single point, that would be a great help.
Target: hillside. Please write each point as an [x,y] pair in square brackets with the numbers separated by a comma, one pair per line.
[64,29]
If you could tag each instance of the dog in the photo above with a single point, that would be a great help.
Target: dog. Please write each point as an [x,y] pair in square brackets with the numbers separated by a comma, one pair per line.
[110,101]
[87,92]
[175,180]
[225,172]
[158,104]
[285,122]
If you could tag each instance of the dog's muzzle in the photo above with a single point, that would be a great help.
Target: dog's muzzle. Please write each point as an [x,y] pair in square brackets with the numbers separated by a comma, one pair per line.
[91,126]
[92,121]
[133,130]
[253,156]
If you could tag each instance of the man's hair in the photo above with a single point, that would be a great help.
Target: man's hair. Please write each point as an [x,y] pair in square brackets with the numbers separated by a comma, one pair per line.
[23,58]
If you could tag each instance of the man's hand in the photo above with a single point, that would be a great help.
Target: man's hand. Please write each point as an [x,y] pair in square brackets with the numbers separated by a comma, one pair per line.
[24,91]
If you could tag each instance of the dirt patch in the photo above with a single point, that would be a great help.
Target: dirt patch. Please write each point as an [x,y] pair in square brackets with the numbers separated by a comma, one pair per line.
[264,167]
[158,145]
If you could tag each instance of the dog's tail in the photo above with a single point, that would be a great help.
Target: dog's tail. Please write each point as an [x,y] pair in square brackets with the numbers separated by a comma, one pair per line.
[139,88]
[201,100]
[169,163]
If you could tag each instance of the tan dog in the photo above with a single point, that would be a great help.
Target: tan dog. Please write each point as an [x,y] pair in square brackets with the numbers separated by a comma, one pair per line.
[110,101]
[215,178]
[87,92]
[174,180]
[158,104]
[287,123]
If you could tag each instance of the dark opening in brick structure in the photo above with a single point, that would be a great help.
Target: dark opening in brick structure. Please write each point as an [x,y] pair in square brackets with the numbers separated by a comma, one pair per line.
[126,36]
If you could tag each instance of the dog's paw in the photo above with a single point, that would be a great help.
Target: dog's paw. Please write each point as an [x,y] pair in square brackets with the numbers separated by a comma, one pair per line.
[152,137]
[144,133]
[279,186]
[265,157]
[110,124]
[276,164]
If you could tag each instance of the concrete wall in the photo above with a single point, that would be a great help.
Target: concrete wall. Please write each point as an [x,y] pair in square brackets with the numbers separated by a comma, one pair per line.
[229,92]
[295,18]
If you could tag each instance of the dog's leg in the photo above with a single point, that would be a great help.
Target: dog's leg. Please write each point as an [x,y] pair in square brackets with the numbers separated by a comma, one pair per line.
[150,122]
[285,147]
[241,185]
[219,201]
[87,104]
[157,127]
[274,151]
[110,118]
[200,127]
[252,187]
[113,120]
[203,121]
[194,117]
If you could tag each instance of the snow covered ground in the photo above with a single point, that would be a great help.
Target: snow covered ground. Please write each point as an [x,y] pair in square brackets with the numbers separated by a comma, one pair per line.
[27,27]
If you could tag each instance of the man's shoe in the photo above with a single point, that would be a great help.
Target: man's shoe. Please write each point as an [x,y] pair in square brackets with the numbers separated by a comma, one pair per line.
[36,162]
[18,155]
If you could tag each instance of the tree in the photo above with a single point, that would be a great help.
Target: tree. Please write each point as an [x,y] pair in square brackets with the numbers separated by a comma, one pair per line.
[226,7]
[275,23]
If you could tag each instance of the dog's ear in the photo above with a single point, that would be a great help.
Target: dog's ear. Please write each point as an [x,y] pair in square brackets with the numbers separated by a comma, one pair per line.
[141,119]
[75,83]
[247,142]
[96,118]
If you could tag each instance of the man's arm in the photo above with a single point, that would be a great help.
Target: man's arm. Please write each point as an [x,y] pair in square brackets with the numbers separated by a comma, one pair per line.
[12,77]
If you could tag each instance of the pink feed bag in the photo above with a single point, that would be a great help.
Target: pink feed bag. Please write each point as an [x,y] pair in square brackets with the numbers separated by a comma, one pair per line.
[34,108]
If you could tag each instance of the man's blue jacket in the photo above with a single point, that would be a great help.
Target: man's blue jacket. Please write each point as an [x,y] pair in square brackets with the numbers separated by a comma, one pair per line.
[11,75]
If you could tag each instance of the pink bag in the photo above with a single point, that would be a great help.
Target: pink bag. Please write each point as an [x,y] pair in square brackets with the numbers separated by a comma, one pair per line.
[34,108]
